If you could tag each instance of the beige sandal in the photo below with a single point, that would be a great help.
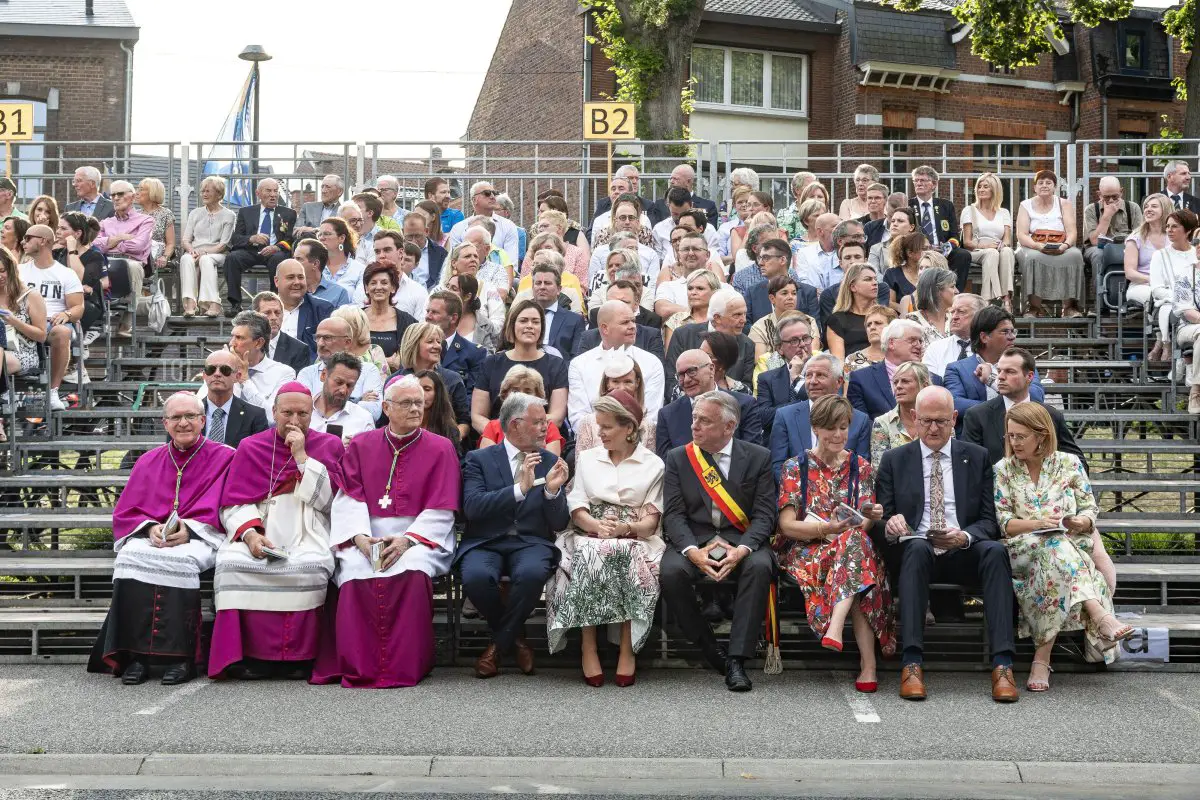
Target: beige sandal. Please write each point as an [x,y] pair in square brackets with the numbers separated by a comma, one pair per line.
[1109,642]
[1038,686]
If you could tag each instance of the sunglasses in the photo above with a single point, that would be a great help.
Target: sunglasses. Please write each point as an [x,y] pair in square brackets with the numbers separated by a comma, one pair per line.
[211,369]
[487,193]
[30,237]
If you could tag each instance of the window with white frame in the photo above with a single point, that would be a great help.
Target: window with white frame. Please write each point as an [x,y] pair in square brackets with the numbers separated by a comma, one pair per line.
[750,79]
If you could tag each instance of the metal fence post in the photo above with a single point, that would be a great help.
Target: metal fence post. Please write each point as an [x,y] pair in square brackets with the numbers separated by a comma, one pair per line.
[1072,173]
[360,165]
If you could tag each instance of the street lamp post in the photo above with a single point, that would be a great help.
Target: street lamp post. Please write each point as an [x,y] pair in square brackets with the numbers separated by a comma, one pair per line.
[255,54]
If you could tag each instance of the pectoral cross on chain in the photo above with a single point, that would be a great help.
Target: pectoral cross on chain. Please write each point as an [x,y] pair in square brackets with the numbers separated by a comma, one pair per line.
[385,501]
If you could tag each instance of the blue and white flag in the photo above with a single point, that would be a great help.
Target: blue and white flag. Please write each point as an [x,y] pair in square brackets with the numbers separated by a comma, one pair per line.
[231,155]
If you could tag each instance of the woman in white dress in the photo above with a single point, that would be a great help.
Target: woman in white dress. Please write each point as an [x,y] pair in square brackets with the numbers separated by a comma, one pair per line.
[1174,269]
[987,234]
[608,573]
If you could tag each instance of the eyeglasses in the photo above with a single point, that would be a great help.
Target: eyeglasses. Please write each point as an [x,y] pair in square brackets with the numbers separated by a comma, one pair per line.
[627,218]
[935,422]
[176,418]
[486,193]
[353,220]
[1019,438]
[115,195]
[690,373]
[771,257]
[544,422]
[212,369]
[693,250]
[328,337]
[797,341]
[406,403]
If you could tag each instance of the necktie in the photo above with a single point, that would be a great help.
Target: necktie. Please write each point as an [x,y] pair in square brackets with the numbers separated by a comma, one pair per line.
[1178,201]
[517,469]
[265,227]
[217,434]
[718,519]
[962,349]
[927,222]
[937,494]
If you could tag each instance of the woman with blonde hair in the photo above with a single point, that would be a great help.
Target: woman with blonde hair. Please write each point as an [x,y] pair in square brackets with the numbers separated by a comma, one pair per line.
[206,235]
[899,426]
[1047,515]
[523,380]
[360,337]
[701,283]
[608,571]
[1140,247]
[987,234]
[846,330]
[807,213]
[420,349]
[855,206]
[151,196]
[44,211]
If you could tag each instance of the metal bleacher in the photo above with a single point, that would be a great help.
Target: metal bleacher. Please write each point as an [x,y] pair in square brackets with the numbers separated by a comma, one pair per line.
[63,478]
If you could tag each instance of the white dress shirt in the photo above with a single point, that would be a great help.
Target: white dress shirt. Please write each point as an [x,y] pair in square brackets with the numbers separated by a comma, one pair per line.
[662,240]
[512,453]
[352,417]
[208,418]
[369,380]
[942,353]
[506,237]
[1008,404]
[260,387]
[291,322]
[947,465]
[420,272]
[587,369]
[721,460]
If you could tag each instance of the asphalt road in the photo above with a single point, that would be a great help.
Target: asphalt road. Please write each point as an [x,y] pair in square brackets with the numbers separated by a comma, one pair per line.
[1123,717]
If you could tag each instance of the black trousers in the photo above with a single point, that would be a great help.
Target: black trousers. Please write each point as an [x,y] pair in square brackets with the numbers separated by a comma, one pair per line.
[753,575]
[959,260]
[528,566]
[985,563]
[240,260]
[144,621]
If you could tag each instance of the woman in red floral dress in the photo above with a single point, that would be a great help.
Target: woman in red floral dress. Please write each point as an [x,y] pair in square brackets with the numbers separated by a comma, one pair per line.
[833,559]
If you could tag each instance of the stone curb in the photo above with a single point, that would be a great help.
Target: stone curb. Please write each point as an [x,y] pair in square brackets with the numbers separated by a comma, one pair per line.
[732,769]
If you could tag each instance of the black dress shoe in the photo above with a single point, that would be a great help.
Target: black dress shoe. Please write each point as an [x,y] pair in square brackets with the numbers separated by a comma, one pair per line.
[716,656]
[137,672]
[234,310]
[249,671]
[177,674]
[735,677]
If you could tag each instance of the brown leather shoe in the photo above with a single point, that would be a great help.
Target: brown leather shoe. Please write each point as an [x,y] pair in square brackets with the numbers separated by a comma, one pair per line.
[488,665]
[1004,685]
[524,656]
[912,682]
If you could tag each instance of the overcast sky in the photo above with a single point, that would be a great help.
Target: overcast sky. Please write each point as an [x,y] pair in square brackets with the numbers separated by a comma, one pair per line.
[331,60]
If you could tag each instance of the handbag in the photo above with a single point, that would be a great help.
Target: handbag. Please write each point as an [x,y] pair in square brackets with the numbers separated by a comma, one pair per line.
[14,341]
[158,307]
[1045,236]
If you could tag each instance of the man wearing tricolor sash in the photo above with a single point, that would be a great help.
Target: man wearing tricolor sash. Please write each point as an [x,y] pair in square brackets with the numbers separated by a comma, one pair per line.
[719,498]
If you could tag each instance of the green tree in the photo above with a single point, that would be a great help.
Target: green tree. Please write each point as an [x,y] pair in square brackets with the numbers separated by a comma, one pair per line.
[1013,32]
[650,44]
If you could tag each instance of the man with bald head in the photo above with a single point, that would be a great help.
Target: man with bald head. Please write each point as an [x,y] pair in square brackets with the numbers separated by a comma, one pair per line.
[618,332]
[262,236]
[228,419]
[1106,223]
[302,310]
[938,490]
[333,336]
[483,204]
[696,376]
[167,529]
[683,177]
[818,265]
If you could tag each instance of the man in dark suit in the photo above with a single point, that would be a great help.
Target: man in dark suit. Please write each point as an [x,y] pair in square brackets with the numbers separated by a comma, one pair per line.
[721,543]
[792,431]
[683,177]
[429,267]
[760,302]
[785,385]
[282,348]
[870,389]
[564,328]
[458,354]
[942,488]
[754,283]
[262,236]
[511,521]
[726,314]
[938,220]
[992,333]
[228,419]
[984,423]
[309,310]
[649,325]
[694,371]
[1177,179]
[875,221]
[88,198]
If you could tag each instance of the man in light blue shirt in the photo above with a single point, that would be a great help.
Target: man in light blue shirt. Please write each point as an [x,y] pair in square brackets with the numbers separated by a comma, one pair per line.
[818,266]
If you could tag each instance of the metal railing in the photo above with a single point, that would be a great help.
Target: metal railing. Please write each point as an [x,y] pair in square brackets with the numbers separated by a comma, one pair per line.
[524,169]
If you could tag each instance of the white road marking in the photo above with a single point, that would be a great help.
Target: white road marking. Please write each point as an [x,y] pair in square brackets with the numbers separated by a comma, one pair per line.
[860,705]
[382,786]
[1174,700]
[503,790]
[549,788]
[174,697]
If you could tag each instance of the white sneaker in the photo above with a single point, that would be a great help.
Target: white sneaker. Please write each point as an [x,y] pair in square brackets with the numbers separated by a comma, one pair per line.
[56,403]
[91,336]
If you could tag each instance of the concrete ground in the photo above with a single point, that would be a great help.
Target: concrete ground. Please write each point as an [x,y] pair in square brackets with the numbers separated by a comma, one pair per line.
[677,732]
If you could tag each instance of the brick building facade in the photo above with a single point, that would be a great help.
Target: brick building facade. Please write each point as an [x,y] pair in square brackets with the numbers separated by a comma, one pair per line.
[73,60]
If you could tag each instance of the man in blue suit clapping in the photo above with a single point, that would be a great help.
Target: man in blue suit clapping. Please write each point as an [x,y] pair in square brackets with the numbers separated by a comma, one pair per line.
[972,380]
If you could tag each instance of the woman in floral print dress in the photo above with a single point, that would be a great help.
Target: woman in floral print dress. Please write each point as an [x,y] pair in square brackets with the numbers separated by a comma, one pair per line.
[608,573]
[835,562]
[1054,578]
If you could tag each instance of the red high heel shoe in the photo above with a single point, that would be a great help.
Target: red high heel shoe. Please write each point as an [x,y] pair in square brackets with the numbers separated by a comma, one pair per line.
[866,687]
[625,681]
[595,681]
[831,644]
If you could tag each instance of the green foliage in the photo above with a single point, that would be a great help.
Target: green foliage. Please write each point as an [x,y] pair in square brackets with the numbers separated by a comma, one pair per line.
[1180,84]
[635,65]
[1167,148]
[1181,23]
